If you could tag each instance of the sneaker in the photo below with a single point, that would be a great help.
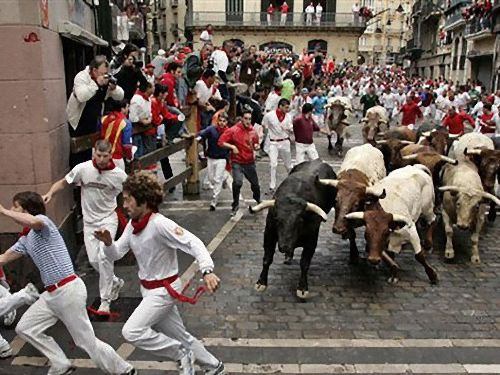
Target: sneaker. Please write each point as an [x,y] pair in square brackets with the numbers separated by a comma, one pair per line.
[9,318]
[6,352]
[186,364]
[115,291]
[219,370]
[132,371]
[212,207]
[32,293]
[234,210]
[104,307]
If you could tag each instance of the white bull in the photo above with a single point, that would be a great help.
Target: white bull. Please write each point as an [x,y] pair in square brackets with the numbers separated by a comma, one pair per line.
[470,141]
[366,159]
[375,121]
[462,204]
[338,118]
[409,196]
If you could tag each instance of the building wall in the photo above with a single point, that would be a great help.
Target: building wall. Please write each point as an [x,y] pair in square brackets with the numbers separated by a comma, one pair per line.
[339,45]
[34,140]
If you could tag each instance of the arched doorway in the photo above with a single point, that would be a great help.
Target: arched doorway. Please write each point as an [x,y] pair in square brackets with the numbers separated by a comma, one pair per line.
[275,46]
[320,44]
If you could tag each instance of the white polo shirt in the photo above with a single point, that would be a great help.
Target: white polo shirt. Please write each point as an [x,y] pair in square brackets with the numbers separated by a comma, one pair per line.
[99,190]
[204,93]
[277,129]
[140,108]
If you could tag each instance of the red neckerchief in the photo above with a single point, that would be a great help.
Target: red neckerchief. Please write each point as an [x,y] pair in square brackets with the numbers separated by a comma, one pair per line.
[110,166]
[280,114]
[139,225]
[210,32]
[211,87]
[24,232]
[143,94]
[278,92]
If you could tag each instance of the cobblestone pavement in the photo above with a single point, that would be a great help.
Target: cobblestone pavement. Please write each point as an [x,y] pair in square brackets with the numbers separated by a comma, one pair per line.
[353,322]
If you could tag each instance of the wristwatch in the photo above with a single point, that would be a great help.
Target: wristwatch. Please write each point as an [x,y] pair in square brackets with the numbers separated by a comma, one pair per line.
[208,272]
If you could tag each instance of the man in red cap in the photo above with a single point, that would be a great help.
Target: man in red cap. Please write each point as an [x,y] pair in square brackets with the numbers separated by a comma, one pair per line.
[149,73]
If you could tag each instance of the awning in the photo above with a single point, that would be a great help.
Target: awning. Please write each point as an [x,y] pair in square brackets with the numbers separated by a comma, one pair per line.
[477,54]
[77,33]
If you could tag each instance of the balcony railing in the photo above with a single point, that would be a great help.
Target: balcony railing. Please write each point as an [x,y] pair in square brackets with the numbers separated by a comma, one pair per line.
[258,19]
[453,3]
[477,26]
[453,18]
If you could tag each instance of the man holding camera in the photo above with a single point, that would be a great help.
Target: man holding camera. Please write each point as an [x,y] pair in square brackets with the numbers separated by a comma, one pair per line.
[92,86]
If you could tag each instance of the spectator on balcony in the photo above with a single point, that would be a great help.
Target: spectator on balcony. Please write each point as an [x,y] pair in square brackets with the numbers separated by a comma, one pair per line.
[355,13]
[91,88]
[319,12]
[309,14]
[129,76]
[207,35]
[270,11]
[284,12]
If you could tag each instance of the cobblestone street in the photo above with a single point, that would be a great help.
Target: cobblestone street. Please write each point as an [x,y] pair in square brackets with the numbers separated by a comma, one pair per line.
[353,322]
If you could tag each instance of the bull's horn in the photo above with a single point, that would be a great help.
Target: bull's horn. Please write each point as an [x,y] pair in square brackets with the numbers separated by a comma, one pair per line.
[358,215]
[382,141]
[407,142]
[376,193]
[472,152]
[453,135]
[410,157]
[262,206]
[449,188]
[492,198]
[401,219]
[426,134]
[328,182]
[381,133]
[449,160]
[317,210]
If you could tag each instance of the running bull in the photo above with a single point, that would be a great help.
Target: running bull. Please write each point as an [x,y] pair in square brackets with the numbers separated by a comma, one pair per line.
[300,205]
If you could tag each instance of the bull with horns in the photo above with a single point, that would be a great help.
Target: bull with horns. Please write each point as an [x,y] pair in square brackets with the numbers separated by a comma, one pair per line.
[338,114]
[300,205]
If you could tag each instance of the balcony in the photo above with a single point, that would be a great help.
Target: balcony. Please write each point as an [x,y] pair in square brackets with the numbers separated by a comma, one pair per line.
[478,30]
[431,12]
[258,20]
[452,4]
[136,27]
[453,21]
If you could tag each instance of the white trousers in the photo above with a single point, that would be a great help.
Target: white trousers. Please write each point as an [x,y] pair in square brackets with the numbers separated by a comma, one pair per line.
[302,150]
[269,19]
[216,176]
[69,305]
[97,259]
[283,18]
[156,326]
[8,303]
[309,18]
[122,27]
[277,149]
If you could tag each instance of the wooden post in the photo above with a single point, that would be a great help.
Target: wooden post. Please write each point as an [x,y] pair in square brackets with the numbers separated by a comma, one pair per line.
[192,184]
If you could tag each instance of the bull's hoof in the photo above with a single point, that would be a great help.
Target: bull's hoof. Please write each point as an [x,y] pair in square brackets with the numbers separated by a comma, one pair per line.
[393,280]
[288,260]
[492,215]
[433,277]
[302,294]
[330,147]
[260,287]
[475,259]
[449,254]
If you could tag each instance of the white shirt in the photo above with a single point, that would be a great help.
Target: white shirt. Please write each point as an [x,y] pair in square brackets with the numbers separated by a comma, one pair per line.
[310,9]
[155,248]
[99,190]
[204,93]
[140,108]
[206,37]
[319,9]
[221,62]
[478,109]
[272,102]
[496,120]
[277,129]
[355,8]
[389,101]
[400,99]
[462,99]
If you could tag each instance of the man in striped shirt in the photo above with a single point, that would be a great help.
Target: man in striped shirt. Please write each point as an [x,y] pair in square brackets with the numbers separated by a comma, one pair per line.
[65,297]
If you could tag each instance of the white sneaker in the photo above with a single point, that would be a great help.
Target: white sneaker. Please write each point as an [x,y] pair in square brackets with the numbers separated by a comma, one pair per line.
[68,371]
[186,364]
[104,307]
[9,318]
[219,370]
[32,293]
[6,352]
[115,291]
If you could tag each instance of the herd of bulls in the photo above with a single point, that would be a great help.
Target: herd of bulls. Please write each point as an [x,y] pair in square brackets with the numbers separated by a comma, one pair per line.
[394,187]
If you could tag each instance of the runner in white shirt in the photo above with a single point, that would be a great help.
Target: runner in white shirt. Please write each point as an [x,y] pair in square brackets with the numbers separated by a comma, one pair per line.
[280,126]
[101,183]
[156,325]
[389,101]
[273,99]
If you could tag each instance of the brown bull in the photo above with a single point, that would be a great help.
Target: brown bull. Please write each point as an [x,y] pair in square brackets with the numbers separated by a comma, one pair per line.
[402,133]
[437,140]
[391,148]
